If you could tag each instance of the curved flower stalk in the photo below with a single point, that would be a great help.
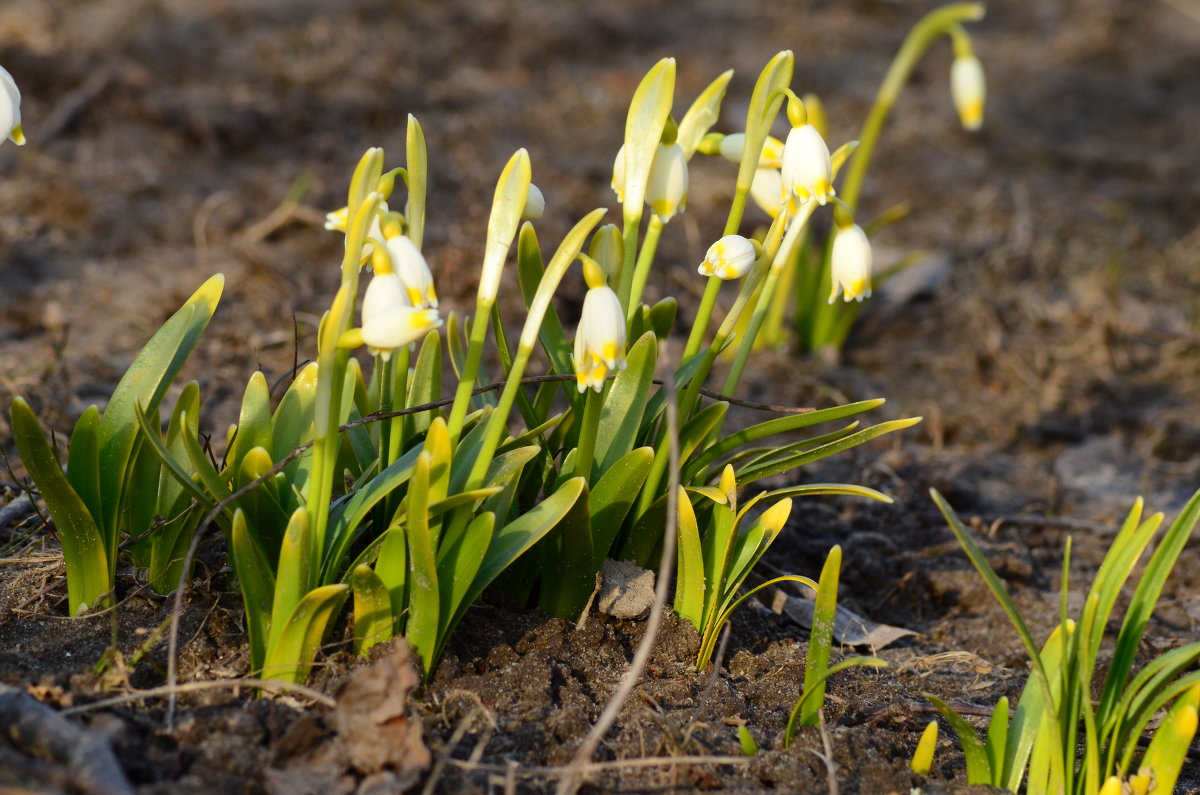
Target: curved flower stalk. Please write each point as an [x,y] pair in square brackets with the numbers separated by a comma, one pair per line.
[10,109]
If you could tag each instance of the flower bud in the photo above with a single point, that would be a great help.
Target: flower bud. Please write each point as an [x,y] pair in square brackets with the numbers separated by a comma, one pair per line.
[535,204]
[850,264]
[731,257]
[667,190]
[968,89]
[10,109]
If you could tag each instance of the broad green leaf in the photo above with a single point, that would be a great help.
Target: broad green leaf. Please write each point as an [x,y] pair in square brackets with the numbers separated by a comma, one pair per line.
[85,551]
[468,451]
[978,771]
[254,422]
[716,545]
[458,564]
[417,162]
[424,597]
[515,538]
[820,639]
[696,430]
[257,583]
[291,658]
[292,424]
[997,740]
[184,420]
[426,385]
[83,460]
[702,114]
[144,384]
[645,534]
[261,504]
[294,575]
[569,563]
[621,417]
[662,317]
[689,583]
[372,609]
[613,496]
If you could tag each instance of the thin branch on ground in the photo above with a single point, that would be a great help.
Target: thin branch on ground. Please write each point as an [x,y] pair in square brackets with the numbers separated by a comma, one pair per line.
[208,684]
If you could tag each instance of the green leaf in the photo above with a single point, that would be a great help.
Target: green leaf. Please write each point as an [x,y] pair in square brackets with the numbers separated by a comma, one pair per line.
[515,538]
[417,162]
[697,429]
[257,583]
[978,771]
[292,424]
[811,693]
[426,385]
[254,422]
[645,534]
[424,597]
[85,551]
[261,503]
[83,460]
[530,269]
[702,114]
[291,658]
[820,639]
[458,565]
[662,317]
[621,417]
[569,570]
[716,546]
[294,575]
[372,609]
[765,102]
[644,125]
[176,467]
[689,583]
[764,430]
[997,739]
[746,740]
[612,498]
[750,474]
[468,451]
[144,384]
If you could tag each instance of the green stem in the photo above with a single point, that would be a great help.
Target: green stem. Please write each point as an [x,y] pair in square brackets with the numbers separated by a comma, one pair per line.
[940,21]
[642,271]
[399,393]
[466,384]
[625,273]
[703,315]
[589,426]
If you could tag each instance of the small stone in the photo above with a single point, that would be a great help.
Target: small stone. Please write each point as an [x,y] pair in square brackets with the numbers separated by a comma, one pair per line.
[627,591]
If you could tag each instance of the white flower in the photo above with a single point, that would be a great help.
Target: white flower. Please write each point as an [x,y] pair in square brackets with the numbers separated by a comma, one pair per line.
[731,257]
[771,156]
[850,264]
[968,89]
[600,338]
[337,220]
[618,177]
[767,190]
[535,204]
[389,321]
[10,109]
[807,171]
[413,271]
[667,190]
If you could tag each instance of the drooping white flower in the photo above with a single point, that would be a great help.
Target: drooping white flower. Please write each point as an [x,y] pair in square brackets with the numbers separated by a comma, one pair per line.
[731,257]
[666,192]
[968,89]
[767,191]
[807,171]
[535,204]
[733,145]
[850,264]
[410,266]
[600,337]
[10,109]
[389,322]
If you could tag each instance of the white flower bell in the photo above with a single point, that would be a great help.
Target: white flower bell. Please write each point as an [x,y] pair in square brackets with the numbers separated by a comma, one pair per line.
[600,337]
[535,204]
[410,266]
[850,264]
[733,145]
[10,109]
[731,257]
[667,190]
[389,322]
[968,89]
[807,171]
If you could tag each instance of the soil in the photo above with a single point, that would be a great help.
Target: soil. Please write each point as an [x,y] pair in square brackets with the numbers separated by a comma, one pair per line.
[1051,342]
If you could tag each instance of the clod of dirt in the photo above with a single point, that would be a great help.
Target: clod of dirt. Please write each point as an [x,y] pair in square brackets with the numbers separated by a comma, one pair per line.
[373,735]
[628,590]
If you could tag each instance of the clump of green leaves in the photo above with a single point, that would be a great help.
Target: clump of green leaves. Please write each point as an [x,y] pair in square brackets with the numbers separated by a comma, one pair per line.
[1061,738]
